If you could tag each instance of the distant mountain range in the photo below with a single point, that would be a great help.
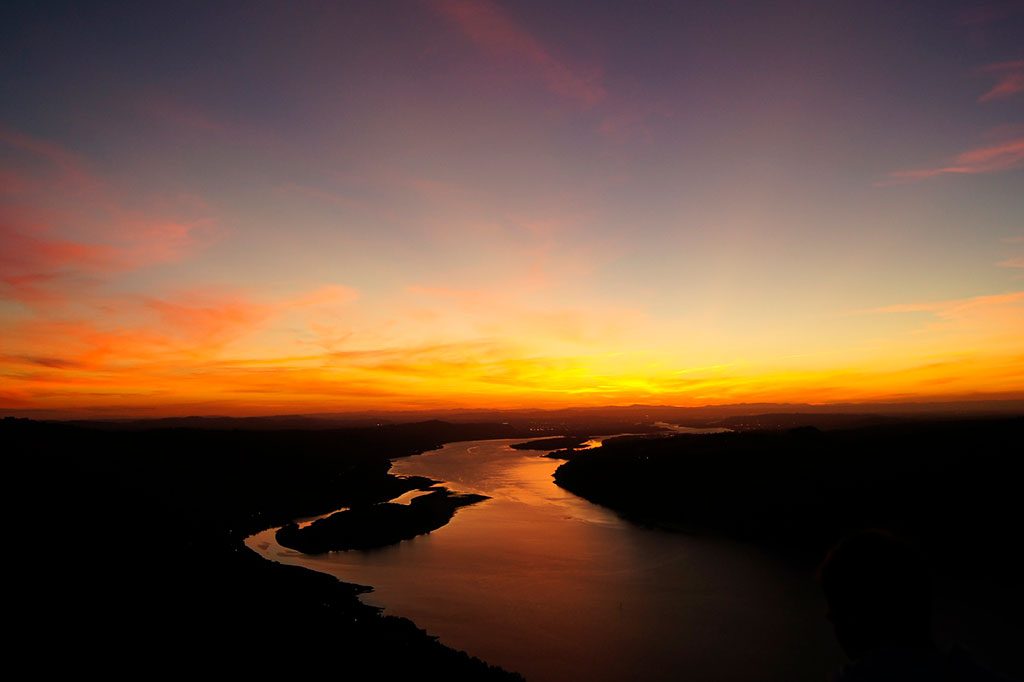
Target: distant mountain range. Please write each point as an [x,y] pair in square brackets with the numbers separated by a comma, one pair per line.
[588,419]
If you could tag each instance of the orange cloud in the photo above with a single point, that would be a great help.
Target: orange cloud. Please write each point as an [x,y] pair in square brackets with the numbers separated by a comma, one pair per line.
[486,374]
[955,307]
[1009,80]
[142,343]
[955,304]
[37,271]
[993,159]
[977,325]
[208,350]
[329,294]
[493,31]
[204,321]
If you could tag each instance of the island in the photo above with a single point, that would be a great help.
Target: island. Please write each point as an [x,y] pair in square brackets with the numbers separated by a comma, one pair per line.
[132,551]
[376,525]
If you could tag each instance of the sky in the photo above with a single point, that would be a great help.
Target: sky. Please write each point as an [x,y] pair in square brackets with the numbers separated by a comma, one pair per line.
[291,207]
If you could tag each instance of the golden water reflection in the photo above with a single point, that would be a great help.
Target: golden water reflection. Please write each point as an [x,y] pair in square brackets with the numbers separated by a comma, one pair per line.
[543,582]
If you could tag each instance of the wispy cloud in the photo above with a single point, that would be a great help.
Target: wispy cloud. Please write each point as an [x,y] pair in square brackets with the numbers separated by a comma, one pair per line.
[117,334]
[996,158]
[1009,80]
[992,319]
[36,268]
[953,307]
[201,351]
[490,28]
[69,227]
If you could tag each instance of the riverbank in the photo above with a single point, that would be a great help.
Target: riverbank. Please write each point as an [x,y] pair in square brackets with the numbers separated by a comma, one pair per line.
[806,485]
[951,486]
[135,552]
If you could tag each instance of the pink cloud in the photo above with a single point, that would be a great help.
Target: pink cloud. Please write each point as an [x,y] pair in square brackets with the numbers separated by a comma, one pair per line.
[494,32]
[70,229]
[34,289]
[1017,262]
[26,253]
[150,241]
[993,159]
[1009,80]
[39,269]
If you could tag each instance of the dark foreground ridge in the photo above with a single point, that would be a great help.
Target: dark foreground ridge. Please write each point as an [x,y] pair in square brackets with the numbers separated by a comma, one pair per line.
[130,552]
[127,543]
[376,525]
[808,485]
[951,487]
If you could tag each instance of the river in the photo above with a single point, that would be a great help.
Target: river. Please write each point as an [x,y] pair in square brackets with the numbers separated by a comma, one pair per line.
[540,581]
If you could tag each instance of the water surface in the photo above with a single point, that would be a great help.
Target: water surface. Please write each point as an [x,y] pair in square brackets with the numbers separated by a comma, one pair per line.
[542,582]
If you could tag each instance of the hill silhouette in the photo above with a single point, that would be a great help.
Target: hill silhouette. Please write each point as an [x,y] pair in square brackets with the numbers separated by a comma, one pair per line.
[951,487]
[131,550]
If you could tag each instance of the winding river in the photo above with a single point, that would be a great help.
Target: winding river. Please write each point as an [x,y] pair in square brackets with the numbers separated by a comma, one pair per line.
[540,581]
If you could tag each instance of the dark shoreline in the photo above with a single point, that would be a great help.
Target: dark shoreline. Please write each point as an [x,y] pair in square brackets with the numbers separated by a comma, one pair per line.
[762,485]
[137,538]
[951,487]
[177,504]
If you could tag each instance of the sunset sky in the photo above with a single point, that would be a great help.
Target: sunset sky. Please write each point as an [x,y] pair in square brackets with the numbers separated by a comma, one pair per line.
[259,208]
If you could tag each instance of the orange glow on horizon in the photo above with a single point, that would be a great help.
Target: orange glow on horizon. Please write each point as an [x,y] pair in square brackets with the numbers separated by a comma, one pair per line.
[204,356]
